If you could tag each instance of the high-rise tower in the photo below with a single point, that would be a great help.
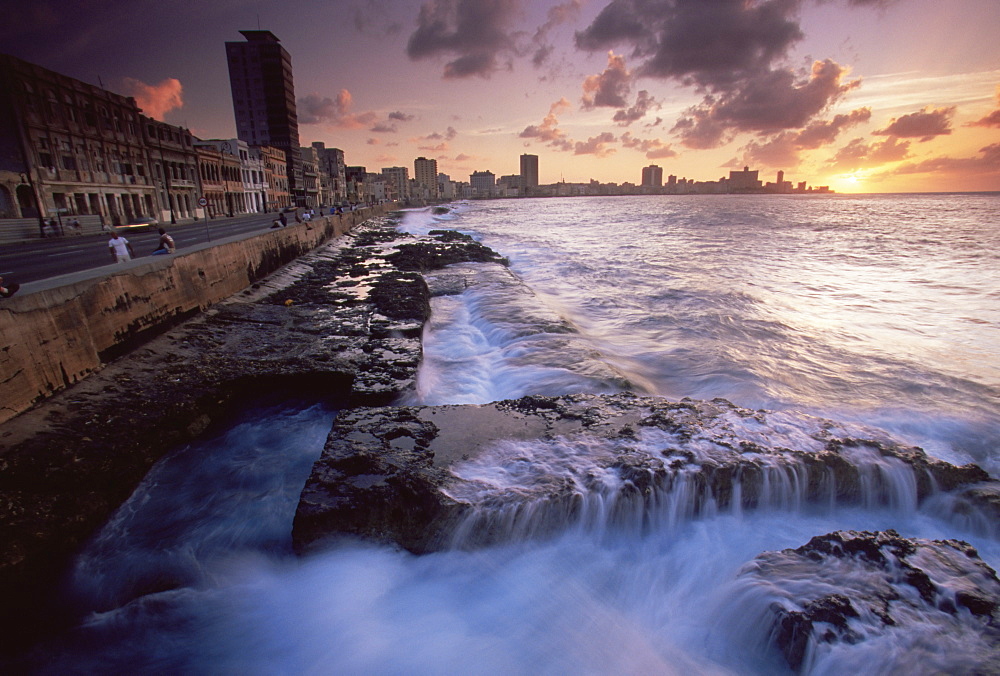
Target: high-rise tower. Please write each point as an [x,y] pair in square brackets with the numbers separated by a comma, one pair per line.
[260,76]
[529,172]
[652,176]
[425,172]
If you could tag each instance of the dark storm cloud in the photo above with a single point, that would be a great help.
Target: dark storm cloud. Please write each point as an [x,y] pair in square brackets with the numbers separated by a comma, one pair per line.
[475,32]
[643,104]
[987,163]
[314,109]
[774,101]
[653,148]
[376,17]
[868,3]
[548,132]
[448,135]
[731,51]
[923,125]
[712,44]
[823,132]
[609,89]
[990,120]
[557,15]
[859,154]
[783,149]
[599,145]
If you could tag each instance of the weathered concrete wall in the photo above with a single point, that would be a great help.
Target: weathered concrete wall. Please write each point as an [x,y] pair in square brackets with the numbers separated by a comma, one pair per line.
[52,338]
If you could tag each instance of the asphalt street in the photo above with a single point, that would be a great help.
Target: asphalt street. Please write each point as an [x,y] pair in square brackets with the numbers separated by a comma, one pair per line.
[41,259]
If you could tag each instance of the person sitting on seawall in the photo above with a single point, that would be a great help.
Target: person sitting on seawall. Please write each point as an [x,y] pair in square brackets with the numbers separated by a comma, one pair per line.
[166,244]
[121,250]
[8,290]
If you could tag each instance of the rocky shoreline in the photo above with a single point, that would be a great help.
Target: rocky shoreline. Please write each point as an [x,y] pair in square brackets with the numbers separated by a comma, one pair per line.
[345,323]
[342,322]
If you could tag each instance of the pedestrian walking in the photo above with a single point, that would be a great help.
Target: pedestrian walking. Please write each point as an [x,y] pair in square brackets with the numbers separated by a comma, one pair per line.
[121,250]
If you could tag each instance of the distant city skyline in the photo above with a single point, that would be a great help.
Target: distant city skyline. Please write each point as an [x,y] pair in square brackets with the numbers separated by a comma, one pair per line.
[862,95]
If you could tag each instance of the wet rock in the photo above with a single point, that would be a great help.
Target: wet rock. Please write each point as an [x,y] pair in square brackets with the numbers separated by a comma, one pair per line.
[906,593]
[340,322]
[538,465]
[448,247]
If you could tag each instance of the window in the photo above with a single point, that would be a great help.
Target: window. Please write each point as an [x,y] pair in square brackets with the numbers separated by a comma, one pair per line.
[69,162]
[70,109]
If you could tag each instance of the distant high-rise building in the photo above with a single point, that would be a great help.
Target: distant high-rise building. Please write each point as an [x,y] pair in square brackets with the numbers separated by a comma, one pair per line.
[332,163]
[652,176]
[399,179]
[425,172]
[260,76]
[529,172]
[744,181]
[483,183]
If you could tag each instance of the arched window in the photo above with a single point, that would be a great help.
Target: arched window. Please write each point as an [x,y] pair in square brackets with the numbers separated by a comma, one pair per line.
[7,209]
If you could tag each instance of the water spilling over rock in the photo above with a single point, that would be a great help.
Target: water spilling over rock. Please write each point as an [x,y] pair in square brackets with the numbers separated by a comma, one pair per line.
[431,477]
[922,606]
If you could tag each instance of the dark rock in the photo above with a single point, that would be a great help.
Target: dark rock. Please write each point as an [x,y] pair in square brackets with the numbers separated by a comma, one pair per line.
[637,454]
[878,573]
[66,465]
[450,248]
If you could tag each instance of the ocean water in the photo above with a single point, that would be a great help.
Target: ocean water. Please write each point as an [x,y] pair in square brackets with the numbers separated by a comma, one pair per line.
[871,310]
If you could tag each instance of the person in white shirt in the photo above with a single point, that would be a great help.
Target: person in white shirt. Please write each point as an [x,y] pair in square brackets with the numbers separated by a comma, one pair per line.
[166,244]
[121,250]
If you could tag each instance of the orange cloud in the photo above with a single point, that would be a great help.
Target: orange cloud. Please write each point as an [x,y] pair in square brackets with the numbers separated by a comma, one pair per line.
[611,87]
[548,131]
[156,100]
[313,109]
[991,120]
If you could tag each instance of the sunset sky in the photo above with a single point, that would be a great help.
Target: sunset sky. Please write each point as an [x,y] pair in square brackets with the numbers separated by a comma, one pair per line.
[860,95]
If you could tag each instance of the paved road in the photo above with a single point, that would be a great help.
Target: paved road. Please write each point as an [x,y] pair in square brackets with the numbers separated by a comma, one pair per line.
[44,258]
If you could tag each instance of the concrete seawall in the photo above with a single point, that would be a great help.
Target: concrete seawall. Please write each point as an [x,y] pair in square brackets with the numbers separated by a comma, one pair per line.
[54,337]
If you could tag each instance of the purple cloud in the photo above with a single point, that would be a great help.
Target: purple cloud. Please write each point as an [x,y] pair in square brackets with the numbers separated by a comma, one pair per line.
[475,32]
[923,125]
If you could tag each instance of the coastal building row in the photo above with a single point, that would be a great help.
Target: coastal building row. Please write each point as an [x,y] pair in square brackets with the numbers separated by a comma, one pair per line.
[69,148]
[745,181]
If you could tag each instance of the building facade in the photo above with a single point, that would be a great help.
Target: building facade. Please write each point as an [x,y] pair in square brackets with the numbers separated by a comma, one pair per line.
[529,173]
[175,169]
[483,183]
[331,164]
[272,160]
[312,184]
[260,77]
[744,181]
[652,176]
[69,148]
[425,172]
[398,179]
